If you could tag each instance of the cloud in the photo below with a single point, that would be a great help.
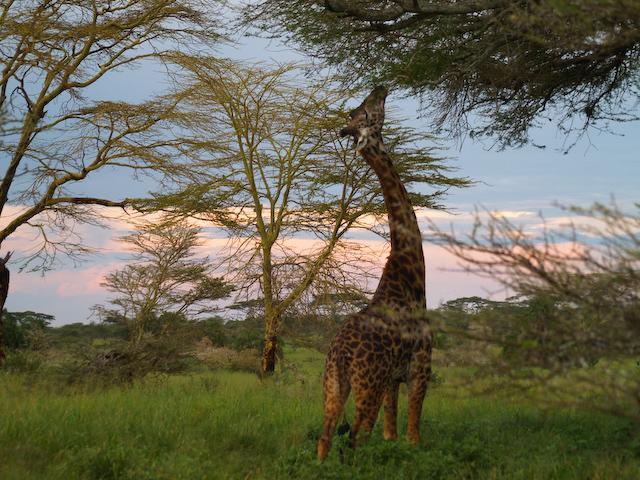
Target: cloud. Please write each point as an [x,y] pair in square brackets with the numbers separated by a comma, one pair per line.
[430,214]
[65,283]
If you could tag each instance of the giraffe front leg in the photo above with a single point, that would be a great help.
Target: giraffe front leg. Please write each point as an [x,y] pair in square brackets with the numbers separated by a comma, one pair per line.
[419,379]
[391,411]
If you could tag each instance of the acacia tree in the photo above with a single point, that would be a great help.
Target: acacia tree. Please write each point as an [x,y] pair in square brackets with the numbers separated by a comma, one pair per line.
[163,277]
[515,63]
[53,138]
[268,167]
[579,322]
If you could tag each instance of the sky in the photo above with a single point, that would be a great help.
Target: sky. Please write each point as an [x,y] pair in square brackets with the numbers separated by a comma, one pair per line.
[521,183]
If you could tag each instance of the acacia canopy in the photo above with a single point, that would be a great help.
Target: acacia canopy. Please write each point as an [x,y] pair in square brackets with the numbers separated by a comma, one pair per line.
[512,64]
[54,135]
[164,277]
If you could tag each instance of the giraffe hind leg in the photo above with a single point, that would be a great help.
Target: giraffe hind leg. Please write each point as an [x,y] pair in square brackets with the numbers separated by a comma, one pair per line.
[419,380]
[336,391]
[368,404]
[391,411]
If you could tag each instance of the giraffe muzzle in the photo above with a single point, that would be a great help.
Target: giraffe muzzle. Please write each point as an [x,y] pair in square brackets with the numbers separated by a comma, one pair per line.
[347,131]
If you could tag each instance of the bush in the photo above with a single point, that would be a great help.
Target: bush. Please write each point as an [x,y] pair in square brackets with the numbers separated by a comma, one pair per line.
[247,360]
[19,328]
[21,361]
[576,311]
[214,329]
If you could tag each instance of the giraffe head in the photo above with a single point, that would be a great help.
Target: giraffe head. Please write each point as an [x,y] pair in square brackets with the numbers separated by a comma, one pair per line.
[366,120]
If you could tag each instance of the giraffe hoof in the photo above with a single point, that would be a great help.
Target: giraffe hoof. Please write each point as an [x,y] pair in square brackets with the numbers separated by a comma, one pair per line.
[323,450]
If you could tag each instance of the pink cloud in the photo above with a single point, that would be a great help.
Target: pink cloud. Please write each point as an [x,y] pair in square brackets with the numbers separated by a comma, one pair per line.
[64,283]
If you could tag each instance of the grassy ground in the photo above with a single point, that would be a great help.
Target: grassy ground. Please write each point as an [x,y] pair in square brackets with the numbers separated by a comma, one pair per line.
[232,425]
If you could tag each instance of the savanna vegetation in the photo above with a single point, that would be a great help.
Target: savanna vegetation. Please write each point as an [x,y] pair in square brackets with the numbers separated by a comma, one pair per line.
[519,392]
[201,367]
[227,423]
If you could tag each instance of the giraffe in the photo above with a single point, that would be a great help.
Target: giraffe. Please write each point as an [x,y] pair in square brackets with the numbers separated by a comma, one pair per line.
[389,341]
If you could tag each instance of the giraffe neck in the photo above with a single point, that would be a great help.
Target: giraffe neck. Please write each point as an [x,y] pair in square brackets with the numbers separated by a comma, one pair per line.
[403,278]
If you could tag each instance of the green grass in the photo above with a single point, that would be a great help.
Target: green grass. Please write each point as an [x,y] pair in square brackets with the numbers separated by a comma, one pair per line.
[232,425]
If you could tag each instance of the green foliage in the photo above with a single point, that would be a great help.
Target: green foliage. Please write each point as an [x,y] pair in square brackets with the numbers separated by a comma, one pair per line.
[21,361]
[19,327]
[152,355]
[243,334]
[513,63]
[214,329]
[488,442]
[100,354]
[81,335]
[530,331]
[216,358]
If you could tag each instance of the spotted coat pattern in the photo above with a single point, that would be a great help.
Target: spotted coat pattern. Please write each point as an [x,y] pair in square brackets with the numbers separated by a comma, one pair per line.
[389,341]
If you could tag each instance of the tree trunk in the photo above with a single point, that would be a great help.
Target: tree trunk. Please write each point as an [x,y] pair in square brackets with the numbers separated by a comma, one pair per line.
[138,333]
[4,291]
[139,326]
[271,317]
[269,354]
[271,349]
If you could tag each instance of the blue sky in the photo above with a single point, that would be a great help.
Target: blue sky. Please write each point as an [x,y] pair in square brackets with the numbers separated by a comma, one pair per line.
[523,181]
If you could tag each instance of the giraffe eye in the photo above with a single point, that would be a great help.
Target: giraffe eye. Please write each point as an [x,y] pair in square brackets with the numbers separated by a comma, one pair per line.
[366,115]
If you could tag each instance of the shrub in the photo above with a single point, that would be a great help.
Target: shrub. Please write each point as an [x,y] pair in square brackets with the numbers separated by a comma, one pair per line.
[20,329]
[22,361]
[247,360]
